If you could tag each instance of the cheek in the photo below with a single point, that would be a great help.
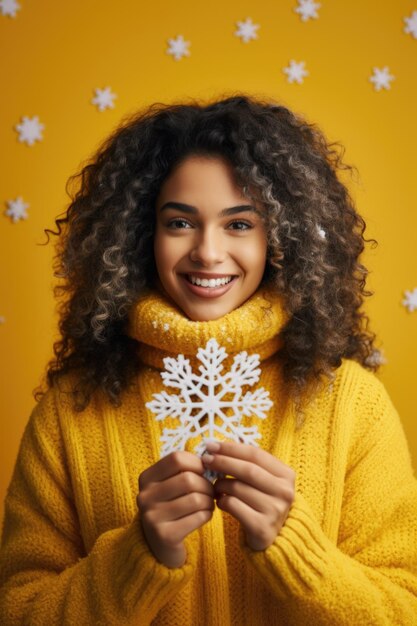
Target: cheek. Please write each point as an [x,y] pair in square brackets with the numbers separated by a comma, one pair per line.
[255,255]
[167,253]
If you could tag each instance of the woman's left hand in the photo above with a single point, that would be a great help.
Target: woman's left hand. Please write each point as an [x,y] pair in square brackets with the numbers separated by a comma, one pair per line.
[260,494]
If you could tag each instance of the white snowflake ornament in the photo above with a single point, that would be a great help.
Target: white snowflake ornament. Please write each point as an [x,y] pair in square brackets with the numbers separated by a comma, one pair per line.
[9,7]
[295,72]
[247,30]
[307,9]
[211,394]
[30,130]
[178,48]
[411,24]
[17,209]
[104,99]
[381,78]
[410,300]
[376,357]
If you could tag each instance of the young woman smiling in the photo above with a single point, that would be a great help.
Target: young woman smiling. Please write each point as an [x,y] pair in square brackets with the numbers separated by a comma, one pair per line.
[226,221]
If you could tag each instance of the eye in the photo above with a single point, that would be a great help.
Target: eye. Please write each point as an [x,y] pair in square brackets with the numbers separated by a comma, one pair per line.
[178,223]
[240,225]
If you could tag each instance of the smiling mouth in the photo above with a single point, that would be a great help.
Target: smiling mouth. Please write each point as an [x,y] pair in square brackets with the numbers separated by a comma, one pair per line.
[209,287]
[209,283]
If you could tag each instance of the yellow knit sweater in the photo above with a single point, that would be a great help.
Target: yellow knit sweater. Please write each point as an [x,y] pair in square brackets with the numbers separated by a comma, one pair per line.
[73,551]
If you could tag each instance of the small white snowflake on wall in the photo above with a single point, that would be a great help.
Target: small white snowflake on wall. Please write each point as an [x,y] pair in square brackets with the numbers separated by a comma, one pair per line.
[9,7]
[178,47]
[17,209]
[104,99]
[30,130]
[411,24]
[410,300]
[377,357]
[247,30]
[295,72]
[307,9]
[381,78]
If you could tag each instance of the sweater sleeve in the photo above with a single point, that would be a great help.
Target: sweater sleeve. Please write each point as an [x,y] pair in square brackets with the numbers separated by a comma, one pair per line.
[370,576]
[46,577]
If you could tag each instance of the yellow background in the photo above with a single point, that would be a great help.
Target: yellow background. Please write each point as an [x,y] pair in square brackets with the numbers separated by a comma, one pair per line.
[54,54]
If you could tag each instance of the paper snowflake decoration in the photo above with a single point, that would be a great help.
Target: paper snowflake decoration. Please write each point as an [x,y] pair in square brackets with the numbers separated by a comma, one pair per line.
[9,7]
[211,394]
[30,130]
[17,209]
[307,9]
[178,48]
[295,72]
[381,78]
[104,99]
[411,24]
[410,300]
[377,357]
[247,30]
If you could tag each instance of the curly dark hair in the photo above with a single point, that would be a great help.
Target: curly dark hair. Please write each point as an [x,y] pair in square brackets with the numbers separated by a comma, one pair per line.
[104,251]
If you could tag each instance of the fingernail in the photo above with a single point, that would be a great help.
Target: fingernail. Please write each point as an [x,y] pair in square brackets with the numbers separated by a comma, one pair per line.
[212,446]
[207,458]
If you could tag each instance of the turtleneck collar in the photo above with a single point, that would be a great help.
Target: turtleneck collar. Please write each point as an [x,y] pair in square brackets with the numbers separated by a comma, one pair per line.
[162,329]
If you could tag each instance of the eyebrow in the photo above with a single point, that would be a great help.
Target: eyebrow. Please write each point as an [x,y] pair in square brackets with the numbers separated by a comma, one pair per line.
[187,208]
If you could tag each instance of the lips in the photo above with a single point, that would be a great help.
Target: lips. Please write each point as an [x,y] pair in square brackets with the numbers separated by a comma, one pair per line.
[206,275]
[208,292]
[209,282]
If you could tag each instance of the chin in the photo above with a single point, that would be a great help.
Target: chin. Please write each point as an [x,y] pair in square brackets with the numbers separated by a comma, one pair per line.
[206,316]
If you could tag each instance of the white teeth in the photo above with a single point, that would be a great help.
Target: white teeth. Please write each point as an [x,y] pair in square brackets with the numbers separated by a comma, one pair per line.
[210,282]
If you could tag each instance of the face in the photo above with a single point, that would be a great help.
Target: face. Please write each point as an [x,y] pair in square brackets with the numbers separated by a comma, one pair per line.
[210,242]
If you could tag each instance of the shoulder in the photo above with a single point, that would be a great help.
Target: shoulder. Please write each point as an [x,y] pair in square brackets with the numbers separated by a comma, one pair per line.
[368,414]
[359,385]
[363,402]
[45,421]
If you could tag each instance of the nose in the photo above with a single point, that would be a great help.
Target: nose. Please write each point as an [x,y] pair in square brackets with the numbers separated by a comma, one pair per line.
[208,248]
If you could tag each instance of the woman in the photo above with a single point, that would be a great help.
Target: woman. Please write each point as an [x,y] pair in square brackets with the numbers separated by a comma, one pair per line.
[224,222]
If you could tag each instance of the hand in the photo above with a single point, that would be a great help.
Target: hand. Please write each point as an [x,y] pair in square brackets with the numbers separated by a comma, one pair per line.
[260,495]
[174,499]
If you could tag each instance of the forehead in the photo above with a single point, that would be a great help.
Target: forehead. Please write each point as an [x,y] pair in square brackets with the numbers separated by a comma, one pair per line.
[210,180]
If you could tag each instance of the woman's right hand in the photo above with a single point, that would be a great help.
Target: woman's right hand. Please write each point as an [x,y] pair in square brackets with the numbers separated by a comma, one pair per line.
[174,499]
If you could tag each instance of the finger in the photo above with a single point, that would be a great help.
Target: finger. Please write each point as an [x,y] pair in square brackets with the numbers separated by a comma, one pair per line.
[244,471]
[250,519]
[255,455]
[245,493]
[178,485]
[183,506]
[176,531]
[178,461]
